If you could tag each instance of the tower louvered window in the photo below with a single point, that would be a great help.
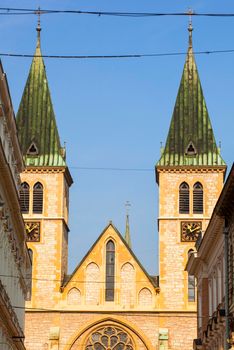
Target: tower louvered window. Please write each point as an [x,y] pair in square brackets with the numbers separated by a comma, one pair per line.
[197,198]
[38,198]
[24,197]
[110,271]
[184,198]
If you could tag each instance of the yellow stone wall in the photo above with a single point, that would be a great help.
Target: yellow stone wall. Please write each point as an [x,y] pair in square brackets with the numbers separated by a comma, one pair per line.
[172,252]
[79,307]
[74,328]
[50,254]
[86,287]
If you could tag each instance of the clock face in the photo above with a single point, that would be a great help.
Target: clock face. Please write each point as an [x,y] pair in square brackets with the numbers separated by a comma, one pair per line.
[32,231]
[190,230]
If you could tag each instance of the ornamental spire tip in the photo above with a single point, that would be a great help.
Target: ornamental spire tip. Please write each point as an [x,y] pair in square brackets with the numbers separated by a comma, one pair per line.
[190,27]
[38,29]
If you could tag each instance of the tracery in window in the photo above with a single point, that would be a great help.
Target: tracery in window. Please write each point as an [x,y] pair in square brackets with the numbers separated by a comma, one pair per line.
[24,197]
[109,338]
[184,198]
[38,198]
[110,271]
[197,198]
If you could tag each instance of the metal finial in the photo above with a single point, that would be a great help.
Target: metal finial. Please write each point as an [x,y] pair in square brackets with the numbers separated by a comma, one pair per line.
[38,12]
[127,206]
[190,26]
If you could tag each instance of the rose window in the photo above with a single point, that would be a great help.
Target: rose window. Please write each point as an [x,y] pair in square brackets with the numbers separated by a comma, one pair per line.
[109,338]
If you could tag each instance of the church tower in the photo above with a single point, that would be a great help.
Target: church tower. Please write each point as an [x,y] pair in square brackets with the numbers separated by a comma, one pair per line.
[45,185]
[190,175]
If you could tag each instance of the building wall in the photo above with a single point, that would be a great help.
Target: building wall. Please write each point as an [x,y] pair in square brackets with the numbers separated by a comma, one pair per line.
[173,253]
[14,258]
[50,253]
[70,330]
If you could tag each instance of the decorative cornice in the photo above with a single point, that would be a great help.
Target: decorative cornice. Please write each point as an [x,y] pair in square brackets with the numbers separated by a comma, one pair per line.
[190,169]
[50,170]
[7,308]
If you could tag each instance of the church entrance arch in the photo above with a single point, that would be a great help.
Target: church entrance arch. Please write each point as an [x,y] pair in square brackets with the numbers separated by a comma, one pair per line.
[109,335]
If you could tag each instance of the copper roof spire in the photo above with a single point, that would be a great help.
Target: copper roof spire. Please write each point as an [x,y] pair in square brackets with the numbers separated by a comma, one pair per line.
[37,128]
[190,140]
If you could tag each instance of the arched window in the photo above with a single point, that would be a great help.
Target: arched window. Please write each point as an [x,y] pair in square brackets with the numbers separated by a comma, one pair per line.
[24,197]
[38,198]
[191,282]
[145,297]
[184,198]
[197,198]
[109,338]
[110,271]
[29,276]
[74,296]
[92,284]
[191,288]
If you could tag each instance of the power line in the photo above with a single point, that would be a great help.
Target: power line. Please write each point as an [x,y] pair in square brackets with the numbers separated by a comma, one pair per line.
[143,55]
[29,11]
[112,169]
[102,282]
[97,311]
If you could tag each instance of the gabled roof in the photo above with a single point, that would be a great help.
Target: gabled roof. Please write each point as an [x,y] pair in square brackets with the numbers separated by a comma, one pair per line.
[37,129]
[152,279]
[190,139]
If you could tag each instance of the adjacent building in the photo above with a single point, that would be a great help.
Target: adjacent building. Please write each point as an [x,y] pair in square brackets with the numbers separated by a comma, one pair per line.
[14,258]
[110,301]
[212,264]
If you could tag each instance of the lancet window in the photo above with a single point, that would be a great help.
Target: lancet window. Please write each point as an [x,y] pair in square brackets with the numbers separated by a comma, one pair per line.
[24,197]
[197,198]
[110,271]
[184,198]
[38,198]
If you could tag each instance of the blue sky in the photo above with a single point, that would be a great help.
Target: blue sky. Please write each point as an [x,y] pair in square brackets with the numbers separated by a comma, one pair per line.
[114,113]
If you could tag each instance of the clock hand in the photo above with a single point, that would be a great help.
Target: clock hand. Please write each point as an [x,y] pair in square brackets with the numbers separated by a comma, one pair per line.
[30,229]
[195,229]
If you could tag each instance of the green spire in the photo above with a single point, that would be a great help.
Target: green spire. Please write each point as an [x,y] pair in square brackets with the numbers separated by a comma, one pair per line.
[37,129]
[127,236]
[190,141]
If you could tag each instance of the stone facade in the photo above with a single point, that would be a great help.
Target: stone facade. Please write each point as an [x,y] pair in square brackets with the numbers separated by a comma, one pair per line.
[212,264]
[171,248]
[109,301]
[15,262]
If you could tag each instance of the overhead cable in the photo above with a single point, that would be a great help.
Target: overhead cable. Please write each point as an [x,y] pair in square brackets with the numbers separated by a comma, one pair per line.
[158,54]
[27,11]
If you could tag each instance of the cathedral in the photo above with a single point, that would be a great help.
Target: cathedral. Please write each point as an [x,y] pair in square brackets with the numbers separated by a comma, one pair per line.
[110,302]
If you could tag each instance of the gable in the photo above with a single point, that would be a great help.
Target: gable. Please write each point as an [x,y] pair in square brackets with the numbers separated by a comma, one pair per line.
[106,278]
